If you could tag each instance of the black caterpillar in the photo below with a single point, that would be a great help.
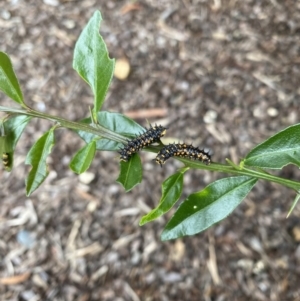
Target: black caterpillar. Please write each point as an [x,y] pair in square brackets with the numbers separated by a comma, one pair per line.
[5,159]
[182,150]
[152,135]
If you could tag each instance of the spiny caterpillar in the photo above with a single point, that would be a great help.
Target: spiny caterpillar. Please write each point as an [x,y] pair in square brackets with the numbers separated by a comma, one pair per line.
[152,135]
[5,159]
[182,150]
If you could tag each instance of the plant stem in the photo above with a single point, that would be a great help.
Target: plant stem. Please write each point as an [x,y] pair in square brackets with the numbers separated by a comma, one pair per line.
[108,134]
[96,130]
[245,172]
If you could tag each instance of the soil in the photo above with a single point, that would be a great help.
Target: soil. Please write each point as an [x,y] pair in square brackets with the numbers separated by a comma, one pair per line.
[220,74]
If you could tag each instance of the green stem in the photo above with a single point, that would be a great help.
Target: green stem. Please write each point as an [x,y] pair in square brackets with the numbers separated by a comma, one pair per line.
[96,129]
[245,172]
[108,134]
[234,169]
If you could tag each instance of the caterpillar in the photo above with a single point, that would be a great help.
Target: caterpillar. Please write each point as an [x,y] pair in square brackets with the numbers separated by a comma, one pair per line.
[151,135]
[182,150]
[5,159]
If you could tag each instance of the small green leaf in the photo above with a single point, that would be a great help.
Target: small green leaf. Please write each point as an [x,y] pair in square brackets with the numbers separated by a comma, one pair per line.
[131,172]
[13,128]
[6,154]
[171,192]
[8,81]
[115,122]
[7,160]
[37,159]
[3,148]
[92,62]
[204,208]
[276,152]
[11,131]
[83,158]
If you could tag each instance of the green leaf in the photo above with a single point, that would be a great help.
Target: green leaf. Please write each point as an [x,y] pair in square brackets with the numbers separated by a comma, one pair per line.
[204,208]
[115,122]
[92,62]
[131,172]
[3,148]
[37,159]
[276,152]
[8,81]
[12,129]
[7,156]
[171,192]
[83,158]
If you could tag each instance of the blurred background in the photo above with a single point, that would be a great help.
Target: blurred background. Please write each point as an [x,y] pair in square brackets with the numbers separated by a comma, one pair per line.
[220,74]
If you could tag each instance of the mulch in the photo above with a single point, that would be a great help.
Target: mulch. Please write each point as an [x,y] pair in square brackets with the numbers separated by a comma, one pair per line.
[220,74]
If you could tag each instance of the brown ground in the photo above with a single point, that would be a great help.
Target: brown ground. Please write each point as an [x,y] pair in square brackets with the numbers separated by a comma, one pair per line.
[228,73]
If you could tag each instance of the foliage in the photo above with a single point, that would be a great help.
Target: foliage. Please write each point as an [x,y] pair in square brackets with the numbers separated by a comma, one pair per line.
[106,131]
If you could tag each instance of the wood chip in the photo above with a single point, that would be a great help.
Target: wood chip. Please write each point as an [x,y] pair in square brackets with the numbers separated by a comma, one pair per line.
[15,279]
[130,7]
[150,113]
